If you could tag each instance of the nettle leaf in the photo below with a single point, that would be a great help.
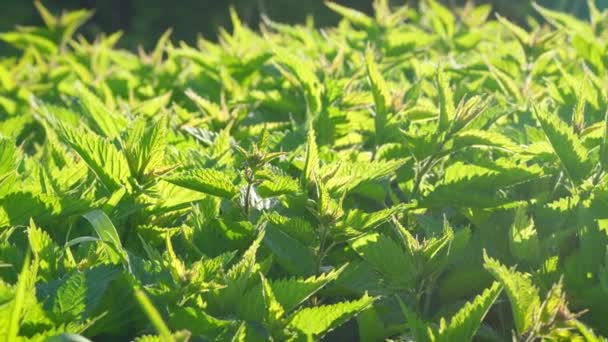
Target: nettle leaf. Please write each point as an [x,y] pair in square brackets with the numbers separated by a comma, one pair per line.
[387,257]
[382,97]
[446,100]
[180,336]
[417,327]
[24,40]
[517,31]
[239,275]
[465,323]
[108,123]
[175,265]
[568,148]
[477,186]
[291,254]
[146,146]
[311,163]
[289,292]
[208,107]
[524,242]
[316,321]
[563,20]
[304,72]
[274,309]
[343,177]
[8,154]
[294,291]
[45,250]
[278,185]
[209,181]
[442,19]
[356,17]
[296,227]
[8,158]
[18,302]
[153,315]
[154,105]
[77,296]
[198,322]
[102,157]
[251,306]
[483,139]
[357,222]
[523,295]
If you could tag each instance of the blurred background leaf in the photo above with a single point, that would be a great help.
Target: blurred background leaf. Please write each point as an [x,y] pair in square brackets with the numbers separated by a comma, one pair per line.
[144,21]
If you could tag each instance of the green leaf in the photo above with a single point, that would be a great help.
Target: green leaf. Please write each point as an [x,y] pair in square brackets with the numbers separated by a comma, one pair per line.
[483,139]
[8,154]
[442,19]
[208,107]
[362,222]
[468,185]
[102,157]
[382,97]
[294,291]
[345,176]
[296,227]
[162,43]
[175,265]
[316,321]
[70,21]
[517,31]
[25,280]
[446,100]
[66,337]
[289,252]
[304,72]
[416,325]
[153,315]
[523,242]
[465,323]
[289,293]
[578,114]
[278,185]
[568,148]
[24,40]
[49,19]
[107,232]
[44,249]
[356,17]
[274,309]
[523,295]
[387,257]
[311,163]
[145,146]
[154,105]
[239,275]
[108,123]
[563,20]
[198,322]
[77,296]
[209,181]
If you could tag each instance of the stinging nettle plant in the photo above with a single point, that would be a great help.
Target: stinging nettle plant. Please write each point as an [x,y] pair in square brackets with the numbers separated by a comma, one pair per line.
[422,174]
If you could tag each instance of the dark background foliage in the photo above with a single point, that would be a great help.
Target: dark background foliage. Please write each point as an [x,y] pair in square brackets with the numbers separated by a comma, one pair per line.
[143,21]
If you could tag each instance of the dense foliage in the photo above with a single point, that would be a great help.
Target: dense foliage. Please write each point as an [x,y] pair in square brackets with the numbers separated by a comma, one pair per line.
[413,175]
[143,21]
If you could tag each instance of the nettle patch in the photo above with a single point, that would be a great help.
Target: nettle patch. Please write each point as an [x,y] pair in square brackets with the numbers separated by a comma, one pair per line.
[418,174]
